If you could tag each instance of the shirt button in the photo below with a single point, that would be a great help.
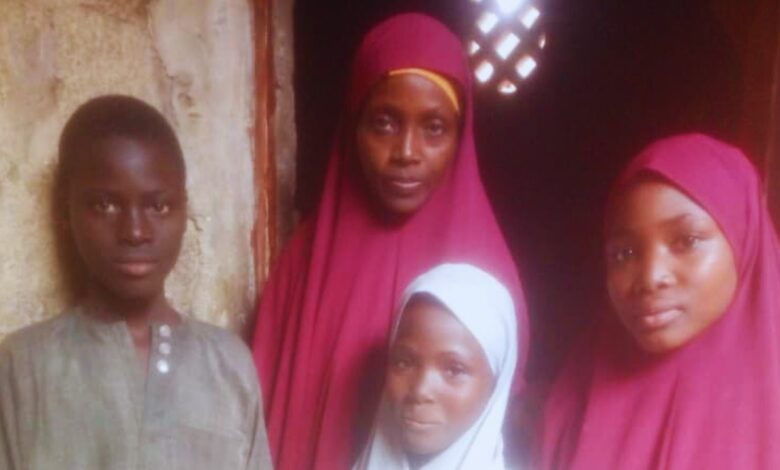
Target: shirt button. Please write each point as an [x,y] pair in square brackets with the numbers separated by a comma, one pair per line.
[165,348]
[163,366]
[165,331]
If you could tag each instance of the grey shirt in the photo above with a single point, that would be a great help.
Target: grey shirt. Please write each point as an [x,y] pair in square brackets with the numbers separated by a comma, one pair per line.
[73,395]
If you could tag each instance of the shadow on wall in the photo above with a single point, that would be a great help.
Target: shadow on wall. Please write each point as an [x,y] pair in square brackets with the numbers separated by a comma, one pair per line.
[69,262]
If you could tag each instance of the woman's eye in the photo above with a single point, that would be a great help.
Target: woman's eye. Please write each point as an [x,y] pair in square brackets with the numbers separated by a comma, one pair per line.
[383,124]
[435,128]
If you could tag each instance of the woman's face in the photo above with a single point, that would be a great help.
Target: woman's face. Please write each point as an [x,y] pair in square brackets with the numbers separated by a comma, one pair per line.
[670,269]
[406,137]
[438,379]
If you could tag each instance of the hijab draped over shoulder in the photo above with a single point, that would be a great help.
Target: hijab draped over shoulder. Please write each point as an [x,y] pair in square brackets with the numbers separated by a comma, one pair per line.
[712,404]
[327,310]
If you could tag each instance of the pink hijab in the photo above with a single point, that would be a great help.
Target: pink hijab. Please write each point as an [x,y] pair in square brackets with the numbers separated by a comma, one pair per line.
[326,312]
[715,403]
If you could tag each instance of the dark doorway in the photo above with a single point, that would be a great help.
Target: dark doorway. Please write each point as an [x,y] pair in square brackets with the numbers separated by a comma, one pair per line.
[614,75]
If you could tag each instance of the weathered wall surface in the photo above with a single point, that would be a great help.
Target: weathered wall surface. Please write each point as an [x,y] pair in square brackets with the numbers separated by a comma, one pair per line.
[192,60]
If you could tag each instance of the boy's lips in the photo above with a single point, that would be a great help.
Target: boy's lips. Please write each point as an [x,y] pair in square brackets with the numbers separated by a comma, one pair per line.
[135,268]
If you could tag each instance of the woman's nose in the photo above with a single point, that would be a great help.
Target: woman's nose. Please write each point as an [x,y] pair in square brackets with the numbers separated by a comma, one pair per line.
[406,151]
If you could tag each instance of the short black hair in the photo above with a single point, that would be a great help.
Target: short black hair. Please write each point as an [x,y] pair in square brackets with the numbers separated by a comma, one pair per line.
[114,116]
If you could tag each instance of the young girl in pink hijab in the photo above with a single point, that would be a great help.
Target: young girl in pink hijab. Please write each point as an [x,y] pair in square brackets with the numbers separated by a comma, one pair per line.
[684,371]
[402,194]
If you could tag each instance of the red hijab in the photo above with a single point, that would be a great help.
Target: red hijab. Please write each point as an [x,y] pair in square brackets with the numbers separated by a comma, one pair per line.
[713,404]
[326,312]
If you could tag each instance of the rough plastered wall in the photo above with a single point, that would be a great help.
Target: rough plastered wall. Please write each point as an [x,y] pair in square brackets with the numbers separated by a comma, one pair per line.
[192,60]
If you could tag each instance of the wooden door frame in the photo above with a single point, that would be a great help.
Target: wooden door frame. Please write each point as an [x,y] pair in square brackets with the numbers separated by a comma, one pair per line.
[265,228]
[772,156]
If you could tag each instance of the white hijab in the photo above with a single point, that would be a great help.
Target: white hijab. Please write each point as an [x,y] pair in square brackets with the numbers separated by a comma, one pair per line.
[485,307]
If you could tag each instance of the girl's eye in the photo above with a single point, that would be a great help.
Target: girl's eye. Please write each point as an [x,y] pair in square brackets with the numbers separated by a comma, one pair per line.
[686,242]
[104,206]
[401,363]
[455,369]
[621,255]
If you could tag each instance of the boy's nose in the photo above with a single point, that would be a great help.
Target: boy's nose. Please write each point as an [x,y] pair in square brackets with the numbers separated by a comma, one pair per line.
[135,228]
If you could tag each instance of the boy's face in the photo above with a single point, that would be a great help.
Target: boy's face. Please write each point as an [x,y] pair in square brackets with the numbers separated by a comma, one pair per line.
[127,214]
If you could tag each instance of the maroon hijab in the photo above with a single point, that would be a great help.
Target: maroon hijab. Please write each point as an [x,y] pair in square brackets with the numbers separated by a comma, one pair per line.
[326,312]
[713,404]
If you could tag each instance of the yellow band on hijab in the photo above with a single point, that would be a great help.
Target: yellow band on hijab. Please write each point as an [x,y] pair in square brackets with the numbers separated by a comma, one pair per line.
[441,82]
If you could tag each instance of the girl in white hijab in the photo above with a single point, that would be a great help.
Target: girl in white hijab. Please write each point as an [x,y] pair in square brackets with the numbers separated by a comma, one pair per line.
[452,358]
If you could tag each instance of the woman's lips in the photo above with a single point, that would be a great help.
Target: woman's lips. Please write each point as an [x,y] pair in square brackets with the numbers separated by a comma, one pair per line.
[135,268]
[403,186]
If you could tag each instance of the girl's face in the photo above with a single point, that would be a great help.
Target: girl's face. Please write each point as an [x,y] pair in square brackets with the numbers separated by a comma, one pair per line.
[127,215]
[406,137]
[438,379]
[670,270]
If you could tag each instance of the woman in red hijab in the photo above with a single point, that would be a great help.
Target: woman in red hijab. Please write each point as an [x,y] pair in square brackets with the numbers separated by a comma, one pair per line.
[402,194]
[685,373]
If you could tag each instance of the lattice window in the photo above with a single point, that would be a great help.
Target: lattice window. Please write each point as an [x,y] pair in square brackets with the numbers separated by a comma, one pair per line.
[506,43]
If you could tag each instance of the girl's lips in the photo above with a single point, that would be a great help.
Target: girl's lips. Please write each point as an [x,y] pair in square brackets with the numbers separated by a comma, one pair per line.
[411,424]
[658,319]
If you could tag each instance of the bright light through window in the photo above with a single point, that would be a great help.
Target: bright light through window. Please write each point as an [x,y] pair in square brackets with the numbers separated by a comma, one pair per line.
[506,45]
[525,67]
[484,71]
[487,22]
[530,17]
[506,87]
[508,6]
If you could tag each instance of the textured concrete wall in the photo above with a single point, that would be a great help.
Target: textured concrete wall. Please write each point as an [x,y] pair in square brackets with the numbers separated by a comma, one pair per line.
[192,60]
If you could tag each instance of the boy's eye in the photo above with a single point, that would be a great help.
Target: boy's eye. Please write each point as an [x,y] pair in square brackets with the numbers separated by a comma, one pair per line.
[104,206]
[161,207]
